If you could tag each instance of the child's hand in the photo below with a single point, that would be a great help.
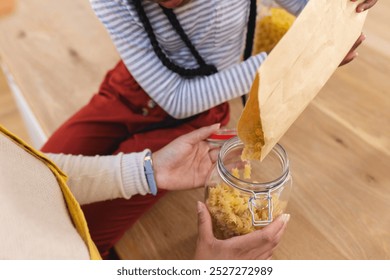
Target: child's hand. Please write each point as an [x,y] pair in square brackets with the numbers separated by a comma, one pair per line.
[365,5]
[352,54]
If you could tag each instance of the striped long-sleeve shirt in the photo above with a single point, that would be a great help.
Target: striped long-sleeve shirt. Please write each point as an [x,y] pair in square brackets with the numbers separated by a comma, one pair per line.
[217,29]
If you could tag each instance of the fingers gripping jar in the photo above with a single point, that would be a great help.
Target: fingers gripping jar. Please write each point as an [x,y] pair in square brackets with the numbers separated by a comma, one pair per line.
[243,196]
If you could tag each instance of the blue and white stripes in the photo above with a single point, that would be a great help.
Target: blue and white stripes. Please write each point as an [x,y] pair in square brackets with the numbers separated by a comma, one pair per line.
[217,28]
[294,7]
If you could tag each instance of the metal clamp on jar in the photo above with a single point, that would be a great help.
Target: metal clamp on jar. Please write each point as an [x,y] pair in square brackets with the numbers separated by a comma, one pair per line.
[243,196]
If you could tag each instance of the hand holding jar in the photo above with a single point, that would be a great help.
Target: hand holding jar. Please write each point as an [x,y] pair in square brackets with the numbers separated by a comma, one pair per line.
[256,245]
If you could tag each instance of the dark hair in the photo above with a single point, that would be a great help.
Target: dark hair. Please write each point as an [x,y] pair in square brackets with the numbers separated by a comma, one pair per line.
[204,69]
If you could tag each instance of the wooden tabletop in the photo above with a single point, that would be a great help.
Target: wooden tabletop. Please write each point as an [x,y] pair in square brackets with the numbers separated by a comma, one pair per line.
[339,148]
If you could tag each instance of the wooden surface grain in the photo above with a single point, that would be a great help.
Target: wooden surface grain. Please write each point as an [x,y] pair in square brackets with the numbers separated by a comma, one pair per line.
[339,148]
[58,52]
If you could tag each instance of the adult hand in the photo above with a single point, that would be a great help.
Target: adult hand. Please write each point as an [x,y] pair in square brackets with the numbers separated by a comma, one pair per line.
[259,244]
[185,162]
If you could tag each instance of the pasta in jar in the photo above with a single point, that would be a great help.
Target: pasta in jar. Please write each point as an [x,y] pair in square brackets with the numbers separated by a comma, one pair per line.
[243,196]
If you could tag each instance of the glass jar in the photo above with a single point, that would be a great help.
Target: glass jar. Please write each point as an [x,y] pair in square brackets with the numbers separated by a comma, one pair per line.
[243,196]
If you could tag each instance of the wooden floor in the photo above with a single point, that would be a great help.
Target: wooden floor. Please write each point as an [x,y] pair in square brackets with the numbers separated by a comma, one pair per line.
[339,151]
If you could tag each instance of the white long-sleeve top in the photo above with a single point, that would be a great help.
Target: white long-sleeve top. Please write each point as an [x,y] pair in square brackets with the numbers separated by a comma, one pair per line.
[217,29]
[99,178]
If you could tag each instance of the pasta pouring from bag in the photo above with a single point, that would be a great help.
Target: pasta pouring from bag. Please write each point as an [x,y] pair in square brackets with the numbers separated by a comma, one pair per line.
[295,71]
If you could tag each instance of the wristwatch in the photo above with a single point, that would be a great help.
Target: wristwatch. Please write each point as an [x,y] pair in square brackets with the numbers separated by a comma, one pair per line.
[149,173]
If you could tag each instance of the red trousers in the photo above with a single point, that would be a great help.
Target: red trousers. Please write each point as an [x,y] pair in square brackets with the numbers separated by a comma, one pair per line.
[122,118]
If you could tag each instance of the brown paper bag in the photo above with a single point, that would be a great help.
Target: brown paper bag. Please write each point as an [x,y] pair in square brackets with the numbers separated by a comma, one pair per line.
[295,71]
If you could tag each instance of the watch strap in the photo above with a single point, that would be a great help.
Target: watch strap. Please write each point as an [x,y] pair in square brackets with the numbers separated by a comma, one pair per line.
[149,173]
